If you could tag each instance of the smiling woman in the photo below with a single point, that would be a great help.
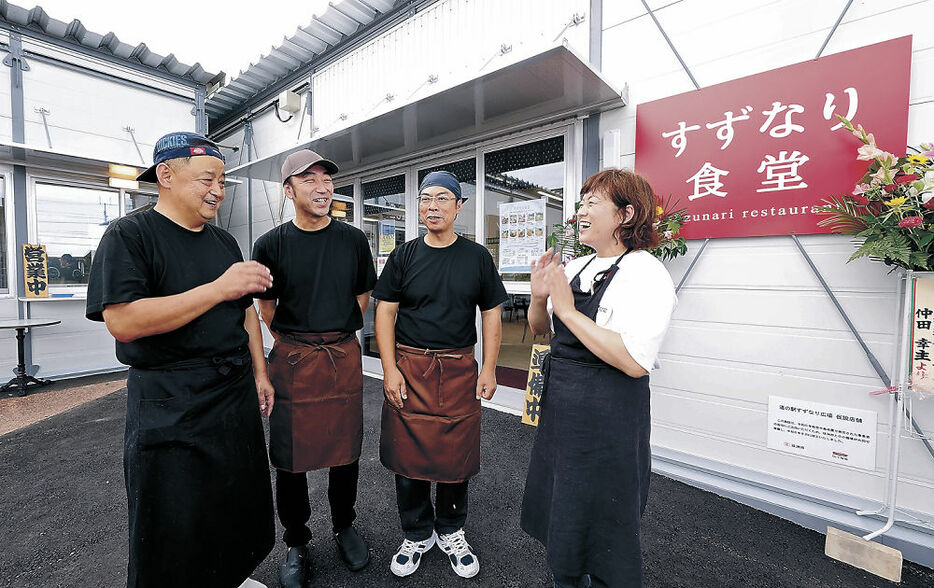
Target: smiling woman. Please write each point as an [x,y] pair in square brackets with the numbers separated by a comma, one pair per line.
[588,477]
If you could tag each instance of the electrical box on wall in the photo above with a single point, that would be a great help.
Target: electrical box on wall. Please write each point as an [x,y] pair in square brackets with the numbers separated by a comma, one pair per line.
[290,102]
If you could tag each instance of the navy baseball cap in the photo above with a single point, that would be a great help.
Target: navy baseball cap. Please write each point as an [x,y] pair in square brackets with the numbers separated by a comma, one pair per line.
[179,144]
[444,179]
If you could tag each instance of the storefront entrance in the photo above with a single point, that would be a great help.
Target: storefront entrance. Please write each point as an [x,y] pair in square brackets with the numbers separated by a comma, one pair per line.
[524,168]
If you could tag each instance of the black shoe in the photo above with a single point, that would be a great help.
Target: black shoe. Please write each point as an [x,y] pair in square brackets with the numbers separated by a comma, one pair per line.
[295,571]
[352,548]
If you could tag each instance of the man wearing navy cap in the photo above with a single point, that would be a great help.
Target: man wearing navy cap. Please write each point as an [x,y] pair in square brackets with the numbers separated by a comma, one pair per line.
[429,293]
[323,273]
[174,291]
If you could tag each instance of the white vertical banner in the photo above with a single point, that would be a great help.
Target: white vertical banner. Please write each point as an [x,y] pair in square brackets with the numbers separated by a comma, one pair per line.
[830,433]
[922,336]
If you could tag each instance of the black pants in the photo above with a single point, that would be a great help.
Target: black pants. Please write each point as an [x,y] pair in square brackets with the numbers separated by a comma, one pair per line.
[586,581]
[294,508]
[415,510]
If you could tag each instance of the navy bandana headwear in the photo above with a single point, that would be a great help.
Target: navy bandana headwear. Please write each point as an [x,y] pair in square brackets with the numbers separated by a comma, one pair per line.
[179,144]
[444,179]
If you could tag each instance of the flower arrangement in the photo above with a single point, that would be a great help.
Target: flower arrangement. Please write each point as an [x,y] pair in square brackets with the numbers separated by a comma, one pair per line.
[891,209]
[565,238]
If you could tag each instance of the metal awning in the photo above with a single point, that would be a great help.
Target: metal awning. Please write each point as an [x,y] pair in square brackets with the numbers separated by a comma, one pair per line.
[550,86]
[38,156]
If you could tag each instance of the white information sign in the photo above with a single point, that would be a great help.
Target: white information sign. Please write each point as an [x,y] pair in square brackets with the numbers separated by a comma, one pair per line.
[380,264]
[831,433]
[521,235]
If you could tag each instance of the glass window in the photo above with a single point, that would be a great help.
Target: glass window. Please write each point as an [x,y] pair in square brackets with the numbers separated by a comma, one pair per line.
[4,278]
[135,202]
[384,225]
[525,172]
[342,204]
[71,221]
[466,172]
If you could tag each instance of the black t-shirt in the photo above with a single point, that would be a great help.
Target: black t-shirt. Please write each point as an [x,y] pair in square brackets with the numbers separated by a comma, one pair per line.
[148,256]
[316,276]
[438,290]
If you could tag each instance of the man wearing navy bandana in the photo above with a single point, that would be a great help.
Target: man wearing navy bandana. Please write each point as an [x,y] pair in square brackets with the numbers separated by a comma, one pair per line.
[174,291]
[429,293]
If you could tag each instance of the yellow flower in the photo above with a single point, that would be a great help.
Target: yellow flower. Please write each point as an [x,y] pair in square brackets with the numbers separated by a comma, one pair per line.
[896,202]
[659,211]
[917,159]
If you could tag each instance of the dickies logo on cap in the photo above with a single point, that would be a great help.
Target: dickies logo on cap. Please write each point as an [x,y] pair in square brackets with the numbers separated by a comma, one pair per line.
[179,144]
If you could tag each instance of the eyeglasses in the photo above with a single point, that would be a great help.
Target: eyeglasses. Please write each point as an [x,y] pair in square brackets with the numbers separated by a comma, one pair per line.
[440,199]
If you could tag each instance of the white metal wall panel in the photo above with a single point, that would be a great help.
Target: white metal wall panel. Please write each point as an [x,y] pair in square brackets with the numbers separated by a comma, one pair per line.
[87,114]
[455,40]
[75,346]
[753,320]
[7,340]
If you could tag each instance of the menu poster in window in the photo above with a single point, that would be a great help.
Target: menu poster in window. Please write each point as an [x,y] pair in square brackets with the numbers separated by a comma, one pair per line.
[387,237]
[36,271]
[521,235]
[830,433]
[922,336]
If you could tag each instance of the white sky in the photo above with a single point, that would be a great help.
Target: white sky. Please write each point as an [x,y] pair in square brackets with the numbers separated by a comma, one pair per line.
[222,35]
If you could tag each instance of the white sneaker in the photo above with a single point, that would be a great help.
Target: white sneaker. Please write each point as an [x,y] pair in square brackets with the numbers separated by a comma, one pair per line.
[251,583]
[409,556]
[463,559]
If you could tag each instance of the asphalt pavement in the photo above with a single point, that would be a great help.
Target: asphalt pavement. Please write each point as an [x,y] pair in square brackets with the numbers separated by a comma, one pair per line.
[63,517]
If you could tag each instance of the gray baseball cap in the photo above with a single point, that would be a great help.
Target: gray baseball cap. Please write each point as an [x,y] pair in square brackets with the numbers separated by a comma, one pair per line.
[301,160]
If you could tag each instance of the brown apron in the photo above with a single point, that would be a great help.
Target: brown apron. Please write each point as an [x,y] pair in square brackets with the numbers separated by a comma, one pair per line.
[436,435]
[317,418]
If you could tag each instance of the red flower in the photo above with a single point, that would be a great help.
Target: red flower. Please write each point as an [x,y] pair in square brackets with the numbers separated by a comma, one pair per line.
[862,200]
[929,204]
[910,221]
[890,188]
[572,220]
[905,178]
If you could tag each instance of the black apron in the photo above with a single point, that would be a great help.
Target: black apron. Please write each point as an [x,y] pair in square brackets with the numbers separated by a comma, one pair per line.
[197,478]
[588,477]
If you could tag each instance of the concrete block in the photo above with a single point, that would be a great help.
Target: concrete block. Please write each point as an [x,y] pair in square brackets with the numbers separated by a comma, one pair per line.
[871,556]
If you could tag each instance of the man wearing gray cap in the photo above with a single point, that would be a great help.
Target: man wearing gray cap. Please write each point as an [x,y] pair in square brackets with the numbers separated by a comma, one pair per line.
[322,276]
[174,291]
[429,294]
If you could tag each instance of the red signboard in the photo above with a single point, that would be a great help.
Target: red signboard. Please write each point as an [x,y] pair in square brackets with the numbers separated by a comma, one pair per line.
[755,156]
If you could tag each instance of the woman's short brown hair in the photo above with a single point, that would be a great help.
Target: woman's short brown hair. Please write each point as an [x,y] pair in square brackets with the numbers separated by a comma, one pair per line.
[625,187]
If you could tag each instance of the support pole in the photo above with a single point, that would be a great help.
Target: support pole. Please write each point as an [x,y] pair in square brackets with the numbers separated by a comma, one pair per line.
[833,29]
[16,61]
[248,139]
[700,251]
[899,400]
[670,44]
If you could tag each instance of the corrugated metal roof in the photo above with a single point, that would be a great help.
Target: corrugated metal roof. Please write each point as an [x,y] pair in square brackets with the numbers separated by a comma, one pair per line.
[74,33]
[339,21]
